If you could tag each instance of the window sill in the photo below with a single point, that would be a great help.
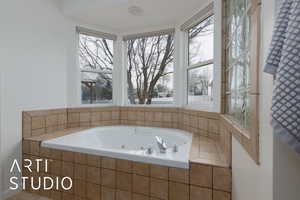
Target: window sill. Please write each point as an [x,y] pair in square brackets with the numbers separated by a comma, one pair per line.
[209,107]
[95,105]
[237,127]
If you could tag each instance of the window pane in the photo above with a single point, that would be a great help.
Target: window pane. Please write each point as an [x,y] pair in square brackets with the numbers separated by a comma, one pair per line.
[238,61]
[201,41]
[150,70]
[96,88]
[96,65]
[200,84]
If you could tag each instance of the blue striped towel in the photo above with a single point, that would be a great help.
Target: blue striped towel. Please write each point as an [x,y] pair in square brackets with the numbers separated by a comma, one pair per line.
[283,61]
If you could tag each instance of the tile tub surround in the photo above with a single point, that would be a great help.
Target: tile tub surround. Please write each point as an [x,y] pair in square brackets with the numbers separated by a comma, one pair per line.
[103,178]
[200,123]
[44,121]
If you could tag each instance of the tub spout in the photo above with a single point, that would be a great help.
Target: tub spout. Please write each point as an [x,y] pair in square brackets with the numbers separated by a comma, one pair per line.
[162,145]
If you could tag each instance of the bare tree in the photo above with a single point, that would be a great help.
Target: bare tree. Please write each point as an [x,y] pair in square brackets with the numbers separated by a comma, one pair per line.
[96,54]
[148,60]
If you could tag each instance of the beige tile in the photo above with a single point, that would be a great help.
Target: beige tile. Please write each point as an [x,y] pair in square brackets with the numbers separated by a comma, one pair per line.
[141,184]
[108,177]
[80,158]
[157,171]
[62,118]
[73,118]
[159,188]
[68,156]
[67,196]
[197,193]
[149,116]
[203,123]
[115,115]
[106,116]
[68,169]
[124,115]
[35,148]
[132,116]
[56,195]
[93,191]
[158,116]
[179,175]
[140,197]
[123,195]
[178,191]
[109,163]
[213,126]
[45,152]
[141,168]
[80,188]
[124,181]
[201,175]
[219,195]
[85,117]
[56,154]
[194,121]
[96,116]
[93,160]
[124,165]
[141,116]
[93,175]
[80,172]
[37,132]
[38,122]
[51,120]
[167,117]
[56,167]
[222,179]
[108,193]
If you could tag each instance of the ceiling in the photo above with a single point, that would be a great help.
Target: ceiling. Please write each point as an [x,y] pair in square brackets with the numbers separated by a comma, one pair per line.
[114,15]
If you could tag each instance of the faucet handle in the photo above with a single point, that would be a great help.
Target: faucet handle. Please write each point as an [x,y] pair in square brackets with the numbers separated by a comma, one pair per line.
[149,150]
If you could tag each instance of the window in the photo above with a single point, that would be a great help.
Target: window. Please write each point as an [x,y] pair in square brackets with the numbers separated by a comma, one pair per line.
[240,71]
[96,66]
[150,69]
[200,62]
[237,56]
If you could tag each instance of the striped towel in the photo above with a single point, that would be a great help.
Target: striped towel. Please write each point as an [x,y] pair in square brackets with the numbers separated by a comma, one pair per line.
[283,61]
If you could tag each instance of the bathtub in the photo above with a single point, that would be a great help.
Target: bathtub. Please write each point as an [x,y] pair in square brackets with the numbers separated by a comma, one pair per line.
[130,143]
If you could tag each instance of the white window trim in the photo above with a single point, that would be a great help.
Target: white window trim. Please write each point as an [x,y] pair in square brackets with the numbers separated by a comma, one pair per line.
[114,73]
[213,106]
[125,102]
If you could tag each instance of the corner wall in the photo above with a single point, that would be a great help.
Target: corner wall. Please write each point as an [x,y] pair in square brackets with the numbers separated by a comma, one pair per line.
[33,52]
[251,181]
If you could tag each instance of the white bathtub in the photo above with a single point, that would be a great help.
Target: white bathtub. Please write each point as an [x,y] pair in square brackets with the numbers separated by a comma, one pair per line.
[128,142]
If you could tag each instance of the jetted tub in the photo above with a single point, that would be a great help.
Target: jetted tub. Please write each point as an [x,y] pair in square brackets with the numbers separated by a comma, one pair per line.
[129,142]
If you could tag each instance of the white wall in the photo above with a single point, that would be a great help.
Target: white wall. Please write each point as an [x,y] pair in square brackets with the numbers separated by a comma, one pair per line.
[33,52]
[286,172]
[38,67]
[251,181]
[286,168]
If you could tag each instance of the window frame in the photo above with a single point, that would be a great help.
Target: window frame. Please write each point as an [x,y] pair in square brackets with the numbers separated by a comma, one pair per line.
[211,106]
[248,138]
[102,35]
[125,101]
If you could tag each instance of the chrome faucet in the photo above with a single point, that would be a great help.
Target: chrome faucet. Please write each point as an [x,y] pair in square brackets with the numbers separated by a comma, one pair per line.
[162,145]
